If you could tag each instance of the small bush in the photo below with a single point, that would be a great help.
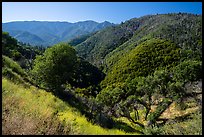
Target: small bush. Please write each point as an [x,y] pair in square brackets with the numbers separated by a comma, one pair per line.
[153,131]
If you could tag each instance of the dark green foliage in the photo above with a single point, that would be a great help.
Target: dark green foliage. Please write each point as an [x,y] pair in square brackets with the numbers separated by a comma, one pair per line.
[55,66]
[29,52]
[182,29]
[60,65]
[110,96]
[85,75]
[159,110]
[190,126]
[108,46]
[90,91]
[8,43]
[16,55]
[140,92]
[143,60]
[22,53]
[79,39]
[188,70]
[149,62]
[103,42]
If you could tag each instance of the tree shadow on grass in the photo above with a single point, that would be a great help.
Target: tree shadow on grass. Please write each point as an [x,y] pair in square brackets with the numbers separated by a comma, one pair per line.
[84,109]
[125,127]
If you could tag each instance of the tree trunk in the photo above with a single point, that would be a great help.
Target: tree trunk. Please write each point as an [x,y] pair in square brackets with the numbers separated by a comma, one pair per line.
[159,110]
[147,112]
[133,121]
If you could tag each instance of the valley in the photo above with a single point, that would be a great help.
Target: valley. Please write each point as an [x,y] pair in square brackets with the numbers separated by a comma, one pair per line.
[140,77]
[47,33]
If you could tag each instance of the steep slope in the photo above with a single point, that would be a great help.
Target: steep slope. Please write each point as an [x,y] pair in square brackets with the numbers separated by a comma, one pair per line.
[27,37]
[107,46]
[95,48]
[153,70]
[144,60]
[22,53]
[182,29]
[29,110]
[80,39]
[52,32]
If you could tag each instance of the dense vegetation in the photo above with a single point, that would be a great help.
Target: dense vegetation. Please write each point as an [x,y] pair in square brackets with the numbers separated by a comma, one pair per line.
[144,60]
[80,39]
[20,52]
[143,76]
[109,45]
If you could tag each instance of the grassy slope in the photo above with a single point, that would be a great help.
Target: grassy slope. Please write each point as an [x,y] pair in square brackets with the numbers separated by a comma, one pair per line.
[34,111]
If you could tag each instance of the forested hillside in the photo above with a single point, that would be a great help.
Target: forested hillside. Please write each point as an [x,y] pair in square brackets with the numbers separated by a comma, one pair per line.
[143,76]
[109,45]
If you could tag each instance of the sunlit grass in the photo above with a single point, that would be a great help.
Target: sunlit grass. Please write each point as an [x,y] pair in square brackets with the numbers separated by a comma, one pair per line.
[40,104]
[82,126]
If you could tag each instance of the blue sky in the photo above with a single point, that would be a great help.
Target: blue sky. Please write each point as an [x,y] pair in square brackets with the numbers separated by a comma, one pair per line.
[114,12]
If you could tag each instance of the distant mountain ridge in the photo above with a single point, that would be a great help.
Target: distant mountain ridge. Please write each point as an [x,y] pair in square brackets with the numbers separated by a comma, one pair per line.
[48,33]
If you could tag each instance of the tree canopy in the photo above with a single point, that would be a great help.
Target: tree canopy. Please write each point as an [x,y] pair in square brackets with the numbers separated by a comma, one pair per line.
[55,66]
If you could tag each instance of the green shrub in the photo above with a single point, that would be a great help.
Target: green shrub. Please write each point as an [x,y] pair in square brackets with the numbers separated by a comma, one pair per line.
[55,66]
[190,126]
[7,72]
[188,70]
[9,63]
[154,130]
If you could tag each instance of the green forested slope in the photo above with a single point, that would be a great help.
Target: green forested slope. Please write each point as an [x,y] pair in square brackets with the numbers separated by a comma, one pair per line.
[28,109]
[151,81]
[148,68]
[79,39]
[108,46]
[95,48]
[182,29]
[144,60]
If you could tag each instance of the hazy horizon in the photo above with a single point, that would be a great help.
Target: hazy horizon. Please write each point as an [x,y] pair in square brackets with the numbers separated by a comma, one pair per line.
[53,21]
[78,21]
[72,12]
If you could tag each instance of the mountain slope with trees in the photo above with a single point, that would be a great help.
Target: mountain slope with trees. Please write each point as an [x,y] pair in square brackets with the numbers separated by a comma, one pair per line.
[105,48]
[154,55]
[143,76]
[63,111]
[49,33]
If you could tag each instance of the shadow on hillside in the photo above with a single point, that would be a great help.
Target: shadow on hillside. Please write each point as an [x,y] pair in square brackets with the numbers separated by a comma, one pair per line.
[82,106]
[163,121]
[123,126]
